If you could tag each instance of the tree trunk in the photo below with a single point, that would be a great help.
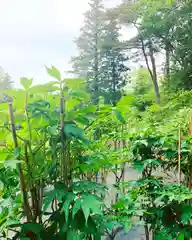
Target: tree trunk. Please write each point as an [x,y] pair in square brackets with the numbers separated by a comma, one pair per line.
[154,73]
[147,232]
[96,68]
[114,84]
[167,63]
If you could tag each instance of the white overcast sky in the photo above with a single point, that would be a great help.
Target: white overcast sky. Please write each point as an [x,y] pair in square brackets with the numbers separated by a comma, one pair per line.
[35,33]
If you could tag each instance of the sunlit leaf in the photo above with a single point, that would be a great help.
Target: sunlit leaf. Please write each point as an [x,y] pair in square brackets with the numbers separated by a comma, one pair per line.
[11,163]
[119,116]
[26,82]
[54,72]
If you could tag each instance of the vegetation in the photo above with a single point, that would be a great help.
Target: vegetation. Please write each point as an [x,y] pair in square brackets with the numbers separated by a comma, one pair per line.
[5,83]
[56,137]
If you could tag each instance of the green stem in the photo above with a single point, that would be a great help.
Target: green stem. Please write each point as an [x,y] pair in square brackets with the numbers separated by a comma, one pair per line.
[27,209]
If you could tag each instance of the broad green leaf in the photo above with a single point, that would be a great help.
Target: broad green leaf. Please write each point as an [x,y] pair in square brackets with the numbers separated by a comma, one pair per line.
[69,199]
[54,72]
[73,130]
[26,82]
[92,203]
[76,207]
[86,210]
[71,103]
[119,116]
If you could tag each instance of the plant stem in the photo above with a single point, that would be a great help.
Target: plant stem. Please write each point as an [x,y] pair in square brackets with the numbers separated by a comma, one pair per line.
[63,154]
[27,210]
[179,156]
[146,232]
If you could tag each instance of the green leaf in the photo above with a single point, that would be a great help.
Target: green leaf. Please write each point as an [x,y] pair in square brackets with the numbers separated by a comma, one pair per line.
[53,130]
[55,193]
[82,120]
[97,236]
[86,210]
[74,83]
[11,163]
[3,155]
[125,101]
[69,199]
[127,226]
[186,214]
[1,185]
[10,223]
[92,202]
[73,235]
[33,227]
[181,237]
[80,94]
[119,116]
[26,82]
[73,130]
[139,166]
[43,88]
[54,72]
[76,207]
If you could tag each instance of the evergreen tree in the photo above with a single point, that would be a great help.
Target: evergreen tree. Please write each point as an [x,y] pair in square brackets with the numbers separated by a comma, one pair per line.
[100,58]
[88,44]
[113,63]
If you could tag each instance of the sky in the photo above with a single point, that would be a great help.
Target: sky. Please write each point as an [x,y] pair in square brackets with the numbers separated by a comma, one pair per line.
[39,33]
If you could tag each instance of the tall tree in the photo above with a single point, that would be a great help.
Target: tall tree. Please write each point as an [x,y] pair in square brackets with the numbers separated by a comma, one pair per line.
[139,14]
[88,43]
[113,63]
